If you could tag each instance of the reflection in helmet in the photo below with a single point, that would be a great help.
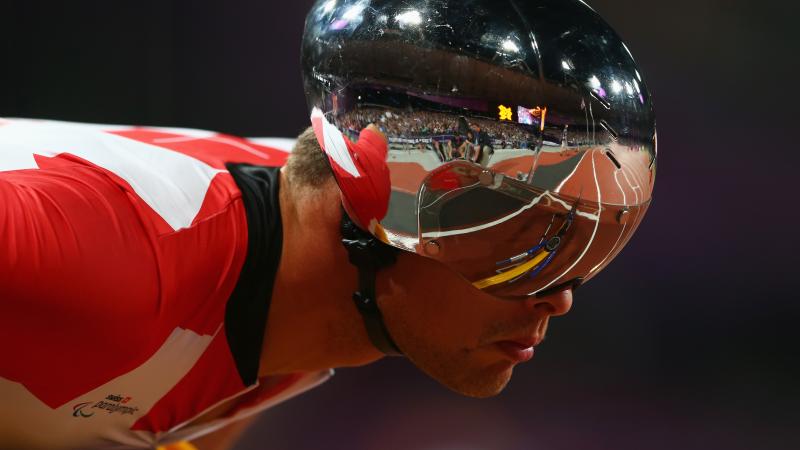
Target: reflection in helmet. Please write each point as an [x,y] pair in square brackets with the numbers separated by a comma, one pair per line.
[521,135]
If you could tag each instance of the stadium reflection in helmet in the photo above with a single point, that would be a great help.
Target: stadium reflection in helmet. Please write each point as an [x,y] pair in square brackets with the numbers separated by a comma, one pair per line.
[522,143]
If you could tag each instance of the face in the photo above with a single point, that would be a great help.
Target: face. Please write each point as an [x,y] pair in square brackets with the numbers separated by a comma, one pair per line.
[465,339]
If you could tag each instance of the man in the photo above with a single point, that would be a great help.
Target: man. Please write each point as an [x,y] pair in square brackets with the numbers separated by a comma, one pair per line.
[161,287]
[482,146]
[473,355]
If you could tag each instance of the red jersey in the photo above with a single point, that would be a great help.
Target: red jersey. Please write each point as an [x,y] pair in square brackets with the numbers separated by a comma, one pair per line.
[134,286]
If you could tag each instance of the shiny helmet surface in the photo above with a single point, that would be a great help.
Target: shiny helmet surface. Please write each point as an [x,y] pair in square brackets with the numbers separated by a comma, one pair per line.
[521,134]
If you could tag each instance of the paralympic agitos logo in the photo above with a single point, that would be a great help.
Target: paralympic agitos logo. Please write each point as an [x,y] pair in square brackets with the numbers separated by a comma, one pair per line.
[77,410]
[111,404]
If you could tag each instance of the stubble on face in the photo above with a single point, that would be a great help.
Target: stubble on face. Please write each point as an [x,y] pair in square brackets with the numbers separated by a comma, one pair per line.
[459,370]
[451,339]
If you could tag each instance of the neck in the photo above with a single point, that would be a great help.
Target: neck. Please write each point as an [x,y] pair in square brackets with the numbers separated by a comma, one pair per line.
[313,323]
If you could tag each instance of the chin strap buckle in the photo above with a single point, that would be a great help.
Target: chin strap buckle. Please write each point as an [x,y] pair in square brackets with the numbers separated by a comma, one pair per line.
[369,255]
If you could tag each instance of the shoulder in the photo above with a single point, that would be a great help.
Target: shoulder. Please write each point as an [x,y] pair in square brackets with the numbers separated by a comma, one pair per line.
[22,139]
[171,170]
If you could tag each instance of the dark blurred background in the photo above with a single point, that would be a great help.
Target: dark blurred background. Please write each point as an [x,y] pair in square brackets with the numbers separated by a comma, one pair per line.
[689,340]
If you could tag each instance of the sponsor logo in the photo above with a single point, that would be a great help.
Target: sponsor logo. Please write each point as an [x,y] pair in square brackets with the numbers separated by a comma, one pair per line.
[506,113]
[113,403]
[77,410]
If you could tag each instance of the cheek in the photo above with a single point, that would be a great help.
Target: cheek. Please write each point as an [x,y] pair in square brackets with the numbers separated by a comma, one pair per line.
[435,304]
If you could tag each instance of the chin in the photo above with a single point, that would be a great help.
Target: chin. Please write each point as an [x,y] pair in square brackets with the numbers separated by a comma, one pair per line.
[484,384]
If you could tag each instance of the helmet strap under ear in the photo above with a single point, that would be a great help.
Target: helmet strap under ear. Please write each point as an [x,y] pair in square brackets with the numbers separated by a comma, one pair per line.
[369,255]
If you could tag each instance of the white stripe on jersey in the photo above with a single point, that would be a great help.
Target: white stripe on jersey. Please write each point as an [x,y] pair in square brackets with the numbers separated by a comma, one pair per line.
[171,183]
[282,144]
[146,385]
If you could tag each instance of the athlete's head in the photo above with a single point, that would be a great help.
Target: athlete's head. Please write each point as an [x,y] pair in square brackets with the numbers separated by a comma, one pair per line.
[564,176]
[463,337]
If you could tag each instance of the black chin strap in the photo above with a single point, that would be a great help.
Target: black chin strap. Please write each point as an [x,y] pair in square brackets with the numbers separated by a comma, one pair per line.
[369,255]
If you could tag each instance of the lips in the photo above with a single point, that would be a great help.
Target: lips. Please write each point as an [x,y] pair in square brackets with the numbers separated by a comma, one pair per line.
[518,351]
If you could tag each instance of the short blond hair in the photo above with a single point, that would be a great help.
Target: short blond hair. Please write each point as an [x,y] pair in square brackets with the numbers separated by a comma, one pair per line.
[308,166]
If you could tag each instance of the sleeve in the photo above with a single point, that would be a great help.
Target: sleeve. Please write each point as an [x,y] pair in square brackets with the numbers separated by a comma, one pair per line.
[76,267]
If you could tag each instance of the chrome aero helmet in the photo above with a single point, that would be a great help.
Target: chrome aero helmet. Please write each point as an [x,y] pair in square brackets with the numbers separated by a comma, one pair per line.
[521,135]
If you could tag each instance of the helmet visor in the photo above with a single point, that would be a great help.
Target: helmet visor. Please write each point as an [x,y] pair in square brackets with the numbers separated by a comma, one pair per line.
[516,204]
[513,239]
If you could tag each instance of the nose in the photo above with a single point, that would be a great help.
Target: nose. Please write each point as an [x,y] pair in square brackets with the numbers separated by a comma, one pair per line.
[556,303]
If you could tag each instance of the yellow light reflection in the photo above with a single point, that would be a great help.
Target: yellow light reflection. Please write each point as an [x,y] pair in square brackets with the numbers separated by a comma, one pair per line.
[506,113]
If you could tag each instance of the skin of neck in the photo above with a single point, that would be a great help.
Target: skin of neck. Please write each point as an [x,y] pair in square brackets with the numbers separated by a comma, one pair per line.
[313,323]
